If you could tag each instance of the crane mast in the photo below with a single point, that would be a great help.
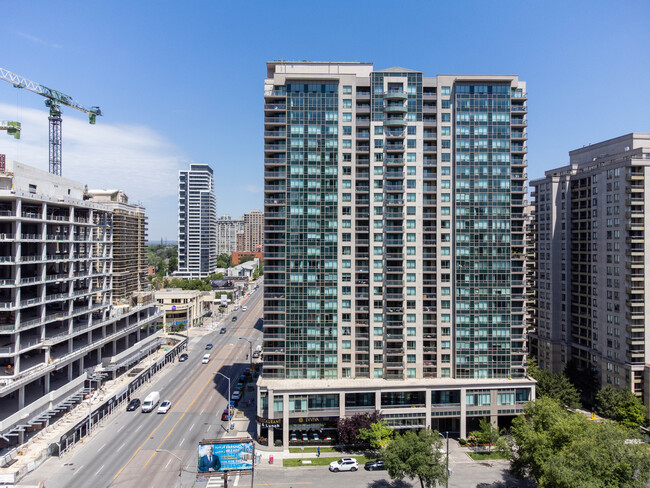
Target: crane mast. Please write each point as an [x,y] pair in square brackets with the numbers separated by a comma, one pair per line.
[54,100]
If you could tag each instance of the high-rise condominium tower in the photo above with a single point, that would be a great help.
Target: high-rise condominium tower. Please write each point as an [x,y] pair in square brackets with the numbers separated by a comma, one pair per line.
[394,247]
[590,260]
[197,222]
[253,231]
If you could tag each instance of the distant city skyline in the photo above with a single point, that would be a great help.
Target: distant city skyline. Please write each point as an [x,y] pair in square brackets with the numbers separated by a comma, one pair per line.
[165,107]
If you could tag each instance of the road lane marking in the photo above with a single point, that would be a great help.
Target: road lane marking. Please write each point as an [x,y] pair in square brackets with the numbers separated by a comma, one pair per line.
[211,376]
[101,447]
[236,480]
[138,428]
[123,443]
[76,471]
[119,430]
[202,411]
[178,446]
[170,460]
[99,470]
[192,427]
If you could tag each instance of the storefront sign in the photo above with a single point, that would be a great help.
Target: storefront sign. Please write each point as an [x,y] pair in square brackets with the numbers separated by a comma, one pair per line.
[264,422]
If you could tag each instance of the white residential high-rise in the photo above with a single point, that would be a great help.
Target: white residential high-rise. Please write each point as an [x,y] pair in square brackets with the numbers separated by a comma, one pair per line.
[197,222]
[393,248]
[227,230]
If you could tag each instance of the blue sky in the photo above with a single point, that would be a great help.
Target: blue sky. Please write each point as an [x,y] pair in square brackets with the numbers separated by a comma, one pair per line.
[183,81]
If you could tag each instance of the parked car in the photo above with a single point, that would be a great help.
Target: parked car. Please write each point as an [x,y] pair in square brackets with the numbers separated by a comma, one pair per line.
[256,354]
[222,331]
[165,406]
[315,437]
[294,437]
[234,319]
[183,357]
[375,465]
[305,437]
[225,415]
[345,464]
[236,395]
[133,404]
[239,386]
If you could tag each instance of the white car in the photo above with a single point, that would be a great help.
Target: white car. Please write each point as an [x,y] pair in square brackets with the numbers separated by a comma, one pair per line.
[236,395]
[165,406]
[345,464]
[244,308]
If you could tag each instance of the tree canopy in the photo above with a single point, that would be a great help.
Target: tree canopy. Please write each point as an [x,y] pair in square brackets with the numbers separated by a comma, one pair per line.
[348,427]
[556,386]
[487,433]
[620,405]
[562,449]
[378,435]
[417,456]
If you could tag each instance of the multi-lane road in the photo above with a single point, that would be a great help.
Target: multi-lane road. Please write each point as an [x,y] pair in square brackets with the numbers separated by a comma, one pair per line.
[123,453]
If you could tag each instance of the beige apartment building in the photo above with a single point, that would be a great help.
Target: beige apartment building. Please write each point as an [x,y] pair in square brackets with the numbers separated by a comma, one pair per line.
[590,261]
[394,248]
[129,242]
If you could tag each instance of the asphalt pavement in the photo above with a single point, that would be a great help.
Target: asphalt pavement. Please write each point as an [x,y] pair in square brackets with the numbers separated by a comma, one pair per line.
[123,453]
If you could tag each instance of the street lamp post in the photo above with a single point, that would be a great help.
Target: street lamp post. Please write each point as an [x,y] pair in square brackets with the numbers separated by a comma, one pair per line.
[180,464]
[446,436]
[229,410]
[250,356]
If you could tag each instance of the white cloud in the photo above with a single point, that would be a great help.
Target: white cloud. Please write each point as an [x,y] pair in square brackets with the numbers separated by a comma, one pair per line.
[37,40]
[133,158]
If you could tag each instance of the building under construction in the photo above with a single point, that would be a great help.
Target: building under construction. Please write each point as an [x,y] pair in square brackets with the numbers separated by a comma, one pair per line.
[129,241]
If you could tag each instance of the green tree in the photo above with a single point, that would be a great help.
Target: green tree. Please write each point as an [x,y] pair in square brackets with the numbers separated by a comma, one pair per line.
[224,261]
[172,264]
[378,435]
[245,259]
[256,274]
[416,456]
[620,405]
[487,433]
[261,269]
[562,449]
[556,386]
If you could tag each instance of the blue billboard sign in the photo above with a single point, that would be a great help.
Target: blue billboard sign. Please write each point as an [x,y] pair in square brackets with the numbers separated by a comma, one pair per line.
[225,456]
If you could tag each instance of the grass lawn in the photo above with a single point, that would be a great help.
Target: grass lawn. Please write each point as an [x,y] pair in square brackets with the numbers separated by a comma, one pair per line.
[297,450]
[321,461]
[482,456]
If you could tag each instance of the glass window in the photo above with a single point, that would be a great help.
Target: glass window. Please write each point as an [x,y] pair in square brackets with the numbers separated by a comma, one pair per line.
[445,131]
[411,143]
[443,117]
[411,130]
[347,130]
[347,103]
[379,129]
[445,90]
[347,90]
[347,117]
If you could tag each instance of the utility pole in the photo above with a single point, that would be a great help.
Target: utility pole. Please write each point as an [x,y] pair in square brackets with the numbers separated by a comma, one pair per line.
[446,436]
[229,416]
[250,356]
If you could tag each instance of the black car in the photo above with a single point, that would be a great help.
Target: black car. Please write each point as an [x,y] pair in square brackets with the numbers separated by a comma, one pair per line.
[375,465]
[183,357]
[133,404]
[234,319]
[222,331]
[208,346]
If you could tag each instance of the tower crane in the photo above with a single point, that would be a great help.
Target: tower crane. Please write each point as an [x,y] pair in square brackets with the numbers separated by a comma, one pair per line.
[54,100]
[12,128]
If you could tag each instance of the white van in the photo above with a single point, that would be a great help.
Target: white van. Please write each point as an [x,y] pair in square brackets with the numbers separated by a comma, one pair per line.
[151,401]
[206,359]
